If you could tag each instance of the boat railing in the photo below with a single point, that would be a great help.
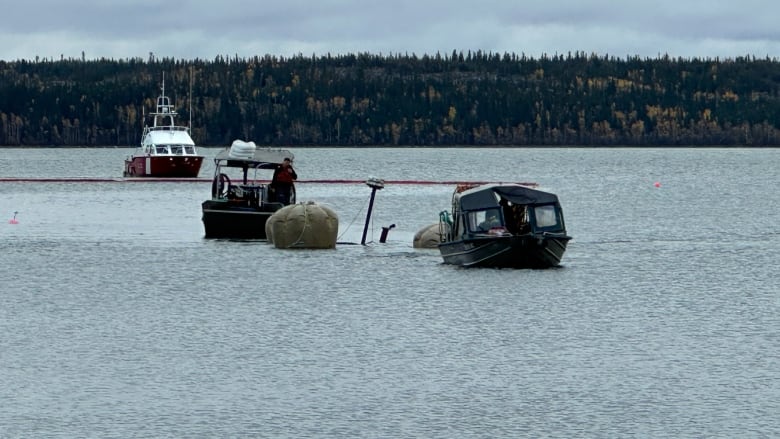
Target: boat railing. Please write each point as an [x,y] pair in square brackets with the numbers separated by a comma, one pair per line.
[166,128]
[445,225]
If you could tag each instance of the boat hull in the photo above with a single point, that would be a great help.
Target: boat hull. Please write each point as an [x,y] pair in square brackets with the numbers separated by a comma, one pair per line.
[227,220]
[515,251]
[163,166]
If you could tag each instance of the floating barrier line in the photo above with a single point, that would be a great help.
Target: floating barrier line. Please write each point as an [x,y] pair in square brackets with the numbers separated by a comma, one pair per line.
[208,180]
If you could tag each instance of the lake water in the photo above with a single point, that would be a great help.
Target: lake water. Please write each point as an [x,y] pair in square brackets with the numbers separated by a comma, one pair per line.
[118,319]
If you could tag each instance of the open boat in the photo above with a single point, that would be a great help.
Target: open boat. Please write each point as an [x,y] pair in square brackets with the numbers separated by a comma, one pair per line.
[166,150]
[503,226]
[239,207]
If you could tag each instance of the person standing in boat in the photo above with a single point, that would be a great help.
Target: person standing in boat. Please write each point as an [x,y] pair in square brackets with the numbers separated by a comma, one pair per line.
[282,181]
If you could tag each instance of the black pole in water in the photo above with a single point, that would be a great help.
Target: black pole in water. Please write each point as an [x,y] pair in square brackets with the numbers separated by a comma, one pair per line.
[374,184]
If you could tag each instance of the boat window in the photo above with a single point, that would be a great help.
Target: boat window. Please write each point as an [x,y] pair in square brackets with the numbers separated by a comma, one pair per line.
[161,149]
[545,216]
[483,220]
[177,149]
[189,150]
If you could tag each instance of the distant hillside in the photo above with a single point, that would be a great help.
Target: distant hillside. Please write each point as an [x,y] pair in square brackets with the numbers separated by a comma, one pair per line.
[433,100]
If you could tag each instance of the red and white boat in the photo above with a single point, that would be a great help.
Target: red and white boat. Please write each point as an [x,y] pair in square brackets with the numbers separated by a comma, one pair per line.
[166,150]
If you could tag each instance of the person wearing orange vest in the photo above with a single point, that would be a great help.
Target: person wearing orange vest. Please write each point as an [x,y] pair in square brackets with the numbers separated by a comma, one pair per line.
[282,181]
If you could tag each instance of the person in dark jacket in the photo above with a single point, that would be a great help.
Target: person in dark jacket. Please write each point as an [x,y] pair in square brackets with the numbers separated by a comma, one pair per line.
[282,181]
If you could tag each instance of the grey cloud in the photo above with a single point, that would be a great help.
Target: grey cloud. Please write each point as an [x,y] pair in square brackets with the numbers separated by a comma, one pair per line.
[204,29]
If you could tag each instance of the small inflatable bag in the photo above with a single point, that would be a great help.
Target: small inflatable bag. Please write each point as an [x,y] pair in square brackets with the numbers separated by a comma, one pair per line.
[429,237]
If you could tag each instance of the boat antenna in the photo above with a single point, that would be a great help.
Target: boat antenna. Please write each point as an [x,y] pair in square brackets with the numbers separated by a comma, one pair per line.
[190,99]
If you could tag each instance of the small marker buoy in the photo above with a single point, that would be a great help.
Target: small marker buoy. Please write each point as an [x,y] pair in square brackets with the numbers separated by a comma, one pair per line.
[13,220]
[657,184]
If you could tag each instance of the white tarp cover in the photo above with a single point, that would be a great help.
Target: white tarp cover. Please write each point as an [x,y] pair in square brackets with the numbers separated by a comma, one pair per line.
[242,150]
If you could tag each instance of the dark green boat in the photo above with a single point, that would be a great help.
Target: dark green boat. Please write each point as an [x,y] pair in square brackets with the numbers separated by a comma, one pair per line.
[504,226]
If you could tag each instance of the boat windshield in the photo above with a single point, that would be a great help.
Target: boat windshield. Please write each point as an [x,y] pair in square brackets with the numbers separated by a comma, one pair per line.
[162,149]
[546,216]
[484,220]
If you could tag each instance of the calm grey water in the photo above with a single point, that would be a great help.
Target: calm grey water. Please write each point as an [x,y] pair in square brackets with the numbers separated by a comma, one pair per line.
[117,319]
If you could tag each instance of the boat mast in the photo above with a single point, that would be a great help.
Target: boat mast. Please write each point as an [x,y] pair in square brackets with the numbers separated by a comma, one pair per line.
[375,184]
[189,128]
[160,100]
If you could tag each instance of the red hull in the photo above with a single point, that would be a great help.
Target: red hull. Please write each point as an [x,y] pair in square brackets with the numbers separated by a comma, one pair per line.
[163,166]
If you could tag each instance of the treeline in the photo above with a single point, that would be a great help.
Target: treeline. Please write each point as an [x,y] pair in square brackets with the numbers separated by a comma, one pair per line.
[473,98]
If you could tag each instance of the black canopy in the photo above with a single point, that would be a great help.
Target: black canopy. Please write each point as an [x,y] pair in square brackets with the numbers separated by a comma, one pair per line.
[484,197]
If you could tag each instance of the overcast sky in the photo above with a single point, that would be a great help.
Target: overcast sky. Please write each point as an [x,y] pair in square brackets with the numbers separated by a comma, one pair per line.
[187,29]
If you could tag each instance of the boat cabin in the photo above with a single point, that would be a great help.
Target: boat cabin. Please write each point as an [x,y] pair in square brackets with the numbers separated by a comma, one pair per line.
[241,202]
[170,150]
[164,137]
[505,209]
[237,180]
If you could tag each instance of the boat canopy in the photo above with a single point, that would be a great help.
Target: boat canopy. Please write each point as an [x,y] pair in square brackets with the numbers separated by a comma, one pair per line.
[484,197]
[262,158]
[167,136]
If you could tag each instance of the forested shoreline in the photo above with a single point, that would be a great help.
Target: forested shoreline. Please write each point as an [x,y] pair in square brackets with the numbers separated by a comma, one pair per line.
[469,99]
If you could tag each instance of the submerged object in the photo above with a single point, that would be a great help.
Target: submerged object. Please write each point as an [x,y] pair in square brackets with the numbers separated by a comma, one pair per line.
[375,184]
[305,225]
